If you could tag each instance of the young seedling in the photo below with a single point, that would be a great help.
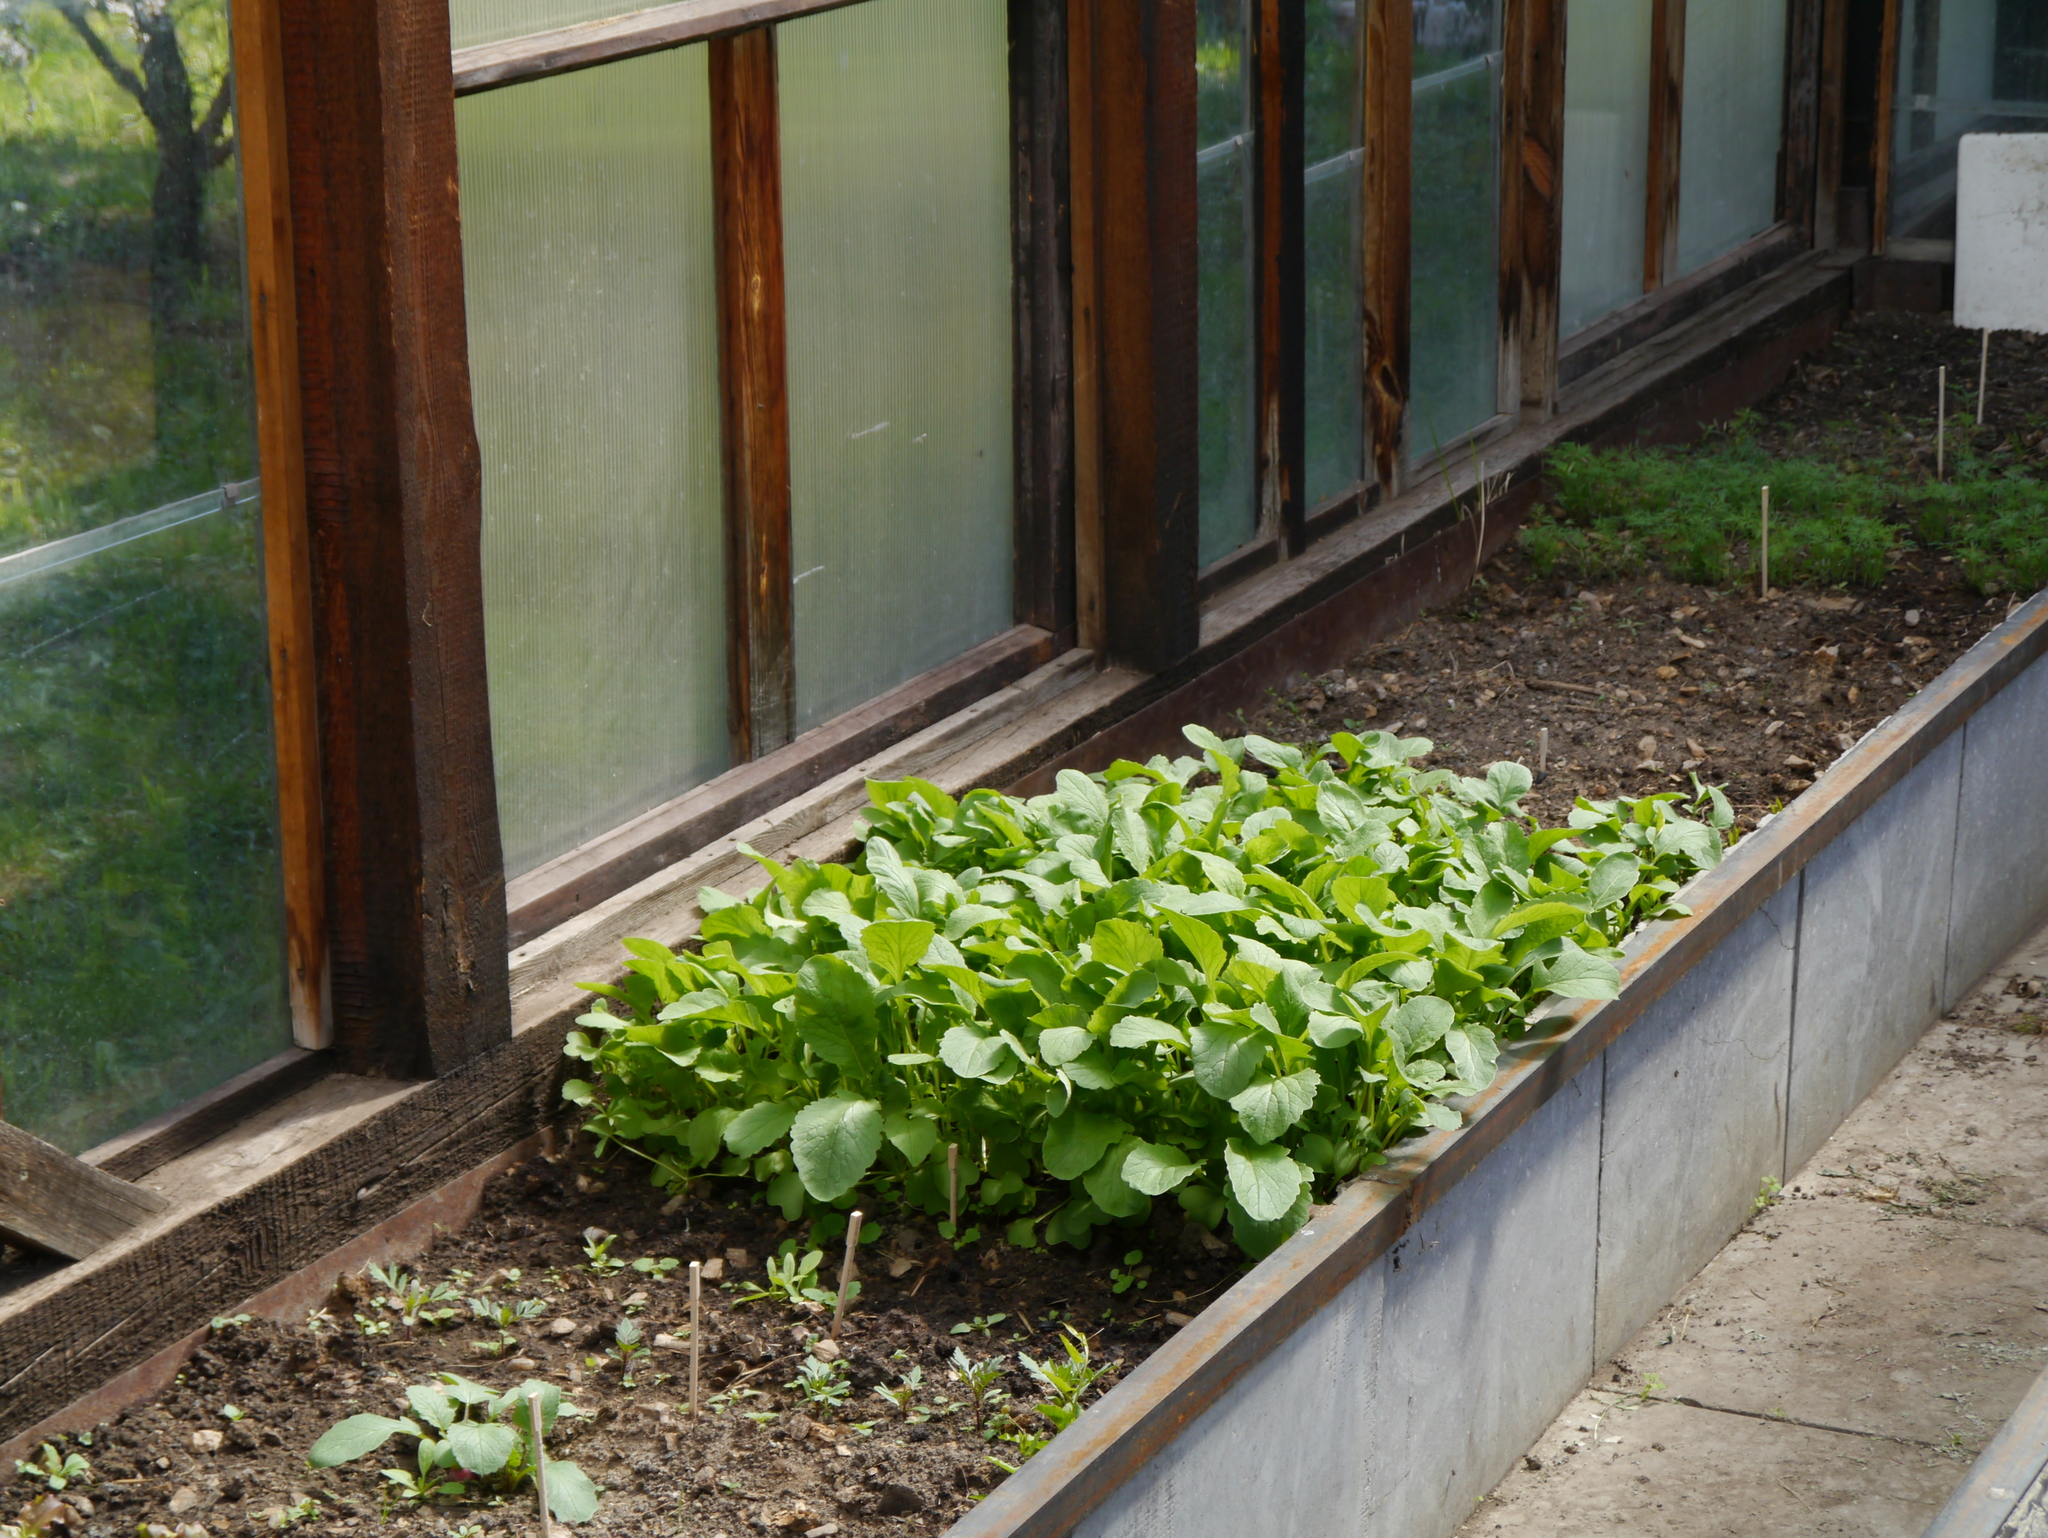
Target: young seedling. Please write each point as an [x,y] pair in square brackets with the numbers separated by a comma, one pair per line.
[648,1265]
[980,1324]
[822,1383]
[597,1247]
[54,1470]
[1123,1279]
[507,1316]
[318,1319]
[983,1382]
[904,1395]
[628,1347]
[278,1518]
[793,1281]
[222,1324]
[412,1299]
[1068,1382]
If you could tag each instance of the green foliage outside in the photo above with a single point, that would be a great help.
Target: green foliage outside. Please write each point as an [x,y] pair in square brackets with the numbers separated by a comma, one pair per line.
[1234,980]
[1694,513]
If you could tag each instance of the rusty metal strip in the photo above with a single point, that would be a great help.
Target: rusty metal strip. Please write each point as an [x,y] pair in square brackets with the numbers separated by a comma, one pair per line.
[1084,1465]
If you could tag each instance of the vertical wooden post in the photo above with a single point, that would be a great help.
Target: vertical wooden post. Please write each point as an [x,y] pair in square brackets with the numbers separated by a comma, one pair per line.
[415,874]
[1532,223]
[1136,364]
[1881,133]
[1040,256]
[753,362]
[1667,119]
[1827,175]
[264,148]
[1279,42]
[1389,130]
[1800,156]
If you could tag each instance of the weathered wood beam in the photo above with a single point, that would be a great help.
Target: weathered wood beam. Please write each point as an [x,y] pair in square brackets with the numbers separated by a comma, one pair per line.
[1827,189]
[1133,127]
[1279,198]
[753,363]
[1799,160]
[1532,206]
[1881,133]
[1667,122]
[415,873]
[51,1201]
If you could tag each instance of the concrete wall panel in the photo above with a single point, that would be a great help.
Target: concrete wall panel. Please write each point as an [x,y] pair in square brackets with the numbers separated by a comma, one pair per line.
[1873,943]
[1694,1118]
[1489,1318]
[2001,865]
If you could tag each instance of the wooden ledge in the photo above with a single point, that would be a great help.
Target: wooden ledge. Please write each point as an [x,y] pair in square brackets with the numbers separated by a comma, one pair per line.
[50,1201]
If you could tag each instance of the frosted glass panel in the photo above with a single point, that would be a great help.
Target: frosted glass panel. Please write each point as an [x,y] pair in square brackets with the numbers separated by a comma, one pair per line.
[1965,66]
[489,21]
[1455,200]
[1734,111]
[1223,215]
[1606,155]
[593,341]
[1334,428]
[896,234]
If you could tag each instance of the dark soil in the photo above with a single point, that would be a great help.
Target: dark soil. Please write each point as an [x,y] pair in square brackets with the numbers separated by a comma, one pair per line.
[785,1468]
[1642,683]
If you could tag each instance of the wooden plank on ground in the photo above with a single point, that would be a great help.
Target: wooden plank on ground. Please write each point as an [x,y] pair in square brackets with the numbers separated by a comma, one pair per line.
[51,1201]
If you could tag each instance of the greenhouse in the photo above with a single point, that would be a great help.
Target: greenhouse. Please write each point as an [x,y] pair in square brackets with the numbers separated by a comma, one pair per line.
[467,479]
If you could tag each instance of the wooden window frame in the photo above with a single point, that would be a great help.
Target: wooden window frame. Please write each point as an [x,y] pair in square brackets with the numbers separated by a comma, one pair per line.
[772,761]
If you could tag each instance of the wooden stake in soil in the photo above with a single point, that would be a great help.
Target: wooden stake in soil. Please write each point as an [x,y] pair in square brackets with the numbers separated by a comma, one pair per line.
[1983,373]
[846,1269]
[540,1467]
[1763,560]
[1941,424]
[953,1186]
[1543,750]
[696,1326]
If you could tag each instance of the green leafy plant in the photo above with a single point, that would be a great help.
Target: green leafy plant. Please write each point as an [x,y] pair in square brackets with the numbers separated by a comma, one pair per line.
[980,1324]
[627,1347]
[1766,1193]
[1066,1381]
[466,1433]
[647,1265]
[983,1383]
[507,1315]
[597,1249]
[1232,980]
[232,1413]
[795,1281]
[1123,1278]
[412,1299]
[225,1322]
[822,1383]
[305,1509]
[55,1470]
[903,1395]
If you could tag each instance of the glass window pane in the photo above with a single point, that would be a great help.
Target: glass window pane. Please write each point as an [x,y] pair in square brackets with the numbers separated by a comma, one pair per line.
[1606,157]
[1334,426]
[1454,307]
[1223,214]
[491,21]
[593,340]
[141,933]
[1734,98]
[1965,66]
[896,241]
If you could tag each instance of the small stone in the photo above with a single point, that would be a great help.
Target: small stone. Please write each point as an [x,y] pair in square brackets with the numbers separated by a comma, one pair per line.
[1912,616]
[183,1499]
[844,1452]
[822,1530]
[898,1501]
[826,1350]
[562,1327]
[1177,1320]
[737,1259]
[523,1364]
[1667,671]
[713,1269]
[670,1343]
[1531,1462]
[637,1300]
[796,1518]
[206,1441]
[900,1266]
[1647,747]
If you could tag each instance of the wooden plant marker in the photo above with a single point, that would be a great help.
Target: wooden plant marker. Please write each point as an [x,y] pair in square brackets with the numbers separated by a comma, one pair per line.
[846,1269]
[540,1466]
[696,1327]
[1941,424]
[51,1201]
[1983,374]
[1763,562]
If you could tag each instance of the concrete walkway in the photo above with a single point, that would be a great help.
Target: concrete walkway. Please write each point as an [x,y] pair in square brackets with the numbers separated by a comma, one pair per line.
[1835,1369]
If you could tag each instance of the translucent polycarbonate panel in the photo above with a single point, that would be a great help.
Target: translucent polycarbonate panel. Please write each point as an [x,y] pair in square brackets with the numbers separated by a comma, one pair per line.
[492,21]
[1606,158]
[1734,95]
[593,355]
[896,241]
[1224,255]
[141,916]
[1965,66]
[1332,240]
[1454,308]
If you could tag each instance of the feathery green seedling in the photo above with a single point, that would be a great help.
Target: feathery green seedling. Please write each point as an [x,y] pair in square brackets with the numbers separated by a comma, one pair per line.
[979,1325]
[983,1382]
[597,1249]
[55,1470]
[412,1299]
[903,1395]
[822,1383]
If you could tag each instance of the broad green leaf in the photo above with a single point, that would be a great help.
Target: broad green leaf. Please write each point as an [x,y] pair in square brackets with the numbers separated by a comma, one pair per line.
[1537,922]
[1075,1142]
[1509,781]
[892,879]
[1268,1107]
[355,1436]
[898,946]
[913,1136]
[1124,945]
[1105,1184]
[1156,1168]
[1608,882]
[1420,1024]
[834,1142]
[1263,1178]
[463,1391]
[1082,800]
[1327,1030]
[1063,1043]
[759,1126]
[1474,1052]
[1201,941]
[1091,1070]
[1209,742]
[480,1448]
[511,1406]
[1141,1030]
[431,1405]
[786,1194]
[707,1133]
[1573,974]
[1259,1239]
[972,1055]
[832,989]
[571,1495]
[1226,1057]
